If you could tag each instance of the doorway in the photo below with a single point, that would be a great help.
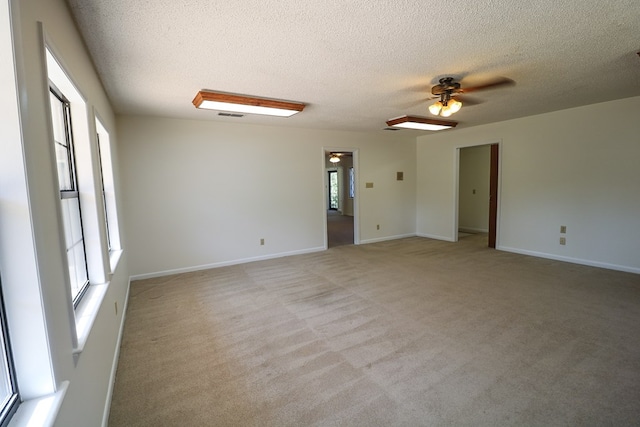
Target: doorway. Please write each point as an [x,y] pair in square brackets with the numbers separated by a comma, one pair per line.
[477,195]
[340,205]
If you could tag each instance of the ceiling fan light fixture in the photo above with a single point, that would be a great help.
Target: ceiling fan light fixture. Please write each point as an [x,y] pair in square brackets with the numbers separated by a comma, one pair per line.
[435,108]
[445,107]
[420,123]
[245,104]
[446,111]
[334,158]
[454,105]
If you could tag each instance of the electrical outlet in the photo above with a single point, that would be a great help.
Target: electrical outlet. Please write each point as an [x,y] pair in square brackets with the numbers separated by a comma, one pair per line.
[563,241]
[261,242]
[563,229]
[378,227]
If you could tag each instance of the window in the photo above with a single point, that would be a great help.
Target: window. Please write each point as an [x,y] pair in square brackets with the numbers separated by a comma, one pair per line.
[104,193]
[9,400]
[352,183]
[333,190]
[69,195]
[83,230]
[108,188]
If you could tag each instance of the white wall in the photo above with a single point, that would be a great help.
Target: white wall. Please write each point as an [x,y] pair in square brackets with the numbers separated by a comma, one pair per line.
[35,218]
[473,189]
[203,193]
[577,167]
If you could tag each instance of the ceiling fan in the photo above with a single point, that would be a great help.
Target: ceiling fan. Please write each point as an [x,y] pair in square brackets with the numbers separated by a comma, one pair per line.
[448,87]
[334,156]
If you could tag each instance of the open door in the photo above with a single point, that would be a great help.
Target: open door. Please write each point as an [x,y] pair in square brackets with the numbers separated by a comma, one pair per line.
[493,195]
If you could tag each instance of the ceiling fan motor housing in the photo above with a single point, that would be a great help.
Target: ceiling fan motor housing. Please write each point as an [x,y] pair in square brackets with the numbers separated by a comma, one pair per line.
[447,85]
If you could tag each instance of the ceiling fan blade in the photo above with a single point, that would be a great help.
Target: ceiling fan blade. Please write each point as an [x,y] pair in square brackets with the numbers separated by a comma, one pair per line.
[492,84]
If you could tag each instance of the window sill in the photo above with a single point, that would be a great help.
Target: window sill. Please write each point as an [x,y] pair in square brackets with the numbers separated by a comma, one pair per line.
[86,314]
[41,412]
[114,258]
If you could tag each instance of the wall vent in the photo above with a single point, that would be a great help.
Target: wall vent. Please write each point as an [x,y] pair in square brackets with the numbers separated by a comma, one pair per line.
[231,114]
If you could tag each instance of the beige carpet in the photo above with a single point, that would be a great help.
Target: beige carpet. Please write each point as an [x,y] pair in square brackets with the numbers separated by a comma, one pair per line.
[407,332]
[339,229]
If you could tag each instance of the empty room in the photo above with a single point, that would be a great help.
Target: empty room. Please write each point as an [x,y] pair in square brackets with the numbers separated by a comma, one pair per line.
[301,213]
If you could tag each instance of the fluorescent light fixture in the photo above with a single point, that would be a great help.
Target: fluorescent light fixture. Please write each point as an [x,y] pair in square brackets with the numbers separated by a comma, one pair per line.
[420,123]
[245,104]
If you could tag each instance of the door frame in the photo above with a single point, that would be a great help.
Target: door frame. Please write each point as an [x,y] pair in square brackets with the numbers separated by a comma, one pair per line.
[325,192]
[494,179]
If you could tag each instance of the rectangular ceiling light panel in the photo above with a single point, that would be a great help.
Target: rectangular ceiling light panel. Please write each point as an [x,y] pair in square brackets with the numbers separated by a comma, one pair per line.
[246,104]
[420,123]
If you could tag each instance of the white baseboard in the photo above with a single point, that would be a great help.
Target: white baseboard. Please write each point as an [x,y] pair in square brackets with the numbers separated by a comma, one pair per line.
[436,237]
[222,264]
[116,356]
[590,263]
[384,239]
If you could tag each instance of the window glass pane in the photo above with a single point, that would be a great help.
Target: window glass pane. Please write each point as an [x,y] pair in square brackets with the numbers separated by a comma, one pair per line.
[73,279]
[64,169]
[333,190]
[106,169]
[57,116]
[74,220]
[75,244]
[77,269]
[66,219]
[6,388]
[104,192]
[61,142]
[352,183]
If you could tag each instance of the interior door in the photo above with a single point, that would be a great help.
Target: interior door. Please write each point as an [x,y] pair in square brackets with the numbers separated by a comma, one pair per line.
[493,195]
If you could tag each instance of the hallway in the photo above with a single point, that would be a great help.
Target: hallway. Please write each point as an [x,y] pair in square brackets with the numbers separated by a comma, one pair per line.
[339,229]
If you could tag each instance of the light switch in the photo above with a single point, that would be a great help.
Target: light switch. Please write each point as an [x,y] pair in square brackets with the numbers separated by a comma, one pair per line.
[368,185]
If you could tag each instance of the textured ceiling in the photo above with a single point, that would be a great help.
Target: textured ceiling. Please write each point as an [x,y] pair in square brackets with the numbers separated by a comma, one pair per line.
[357,63]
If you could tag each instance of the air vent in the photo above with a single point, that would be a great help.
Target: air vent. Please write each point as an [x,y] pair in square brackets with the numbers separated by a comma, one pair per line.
[231,114]
[393,129]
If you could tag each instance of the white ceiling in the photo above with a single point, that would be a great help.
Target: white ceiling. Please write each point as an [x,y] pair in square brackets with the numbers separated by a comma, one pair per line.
[358,63]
